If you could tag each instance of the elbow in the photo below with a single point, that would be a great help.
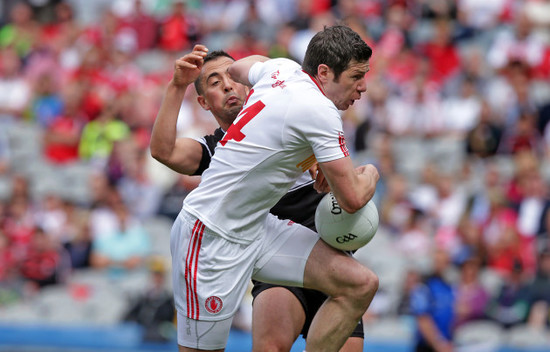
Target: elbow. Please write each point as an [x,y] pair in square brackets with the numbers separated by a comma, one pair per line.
[159,155]
[235,71]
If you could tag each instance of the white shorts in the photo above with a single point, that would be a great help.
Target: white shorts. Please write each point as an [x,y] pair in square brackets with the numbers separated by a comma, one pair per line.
[211,274]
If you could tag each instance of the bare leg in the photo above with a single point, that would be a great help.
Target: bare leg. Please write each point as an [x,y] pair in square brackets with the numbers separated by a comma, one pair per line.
[277,320]
[350,287]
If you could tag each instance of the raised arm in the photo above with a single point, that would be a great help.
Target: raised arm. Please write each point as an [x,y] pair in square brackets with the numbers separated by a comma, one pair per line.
[182,155]
[239,69]
[352,187]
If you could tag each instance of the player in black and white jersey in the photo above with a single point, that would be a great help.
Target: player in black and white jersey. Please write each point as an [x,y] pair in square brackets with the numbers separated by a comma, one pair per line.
[281,313]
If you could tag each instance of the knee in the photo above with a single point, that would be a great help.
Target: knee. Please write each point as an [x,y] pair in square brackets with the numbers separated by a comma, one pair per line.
[273,345]
[364,285]
[372,282]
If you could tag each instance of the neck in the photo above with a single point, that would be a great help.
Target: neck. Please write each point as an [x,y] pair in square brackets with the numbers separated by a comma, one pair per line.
[316,81]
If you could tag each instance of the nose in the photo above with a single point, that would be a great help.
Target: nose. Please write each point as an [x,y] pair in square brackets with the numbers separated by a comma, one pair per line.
[228,84]
[362,86]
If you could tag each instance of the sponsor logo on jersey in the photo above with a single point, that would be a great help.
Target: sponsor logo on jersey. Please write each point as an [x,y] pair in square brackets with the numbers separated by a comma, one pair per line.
[278,82]
[213,304]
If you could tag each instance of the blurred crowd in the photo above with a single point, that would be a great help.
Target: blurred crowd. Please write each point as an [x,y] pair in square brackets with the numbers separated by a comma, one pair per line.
[455,117]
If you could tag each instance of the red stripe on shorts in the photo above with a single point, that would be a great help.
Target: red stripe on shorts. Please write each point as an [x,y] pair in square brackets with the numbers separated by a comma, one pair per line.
[196,260]
[188,271]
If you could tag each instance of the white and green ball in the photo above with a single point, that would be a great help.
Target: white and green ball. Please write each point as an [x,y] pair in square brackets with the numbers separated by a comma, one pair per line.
[343,230]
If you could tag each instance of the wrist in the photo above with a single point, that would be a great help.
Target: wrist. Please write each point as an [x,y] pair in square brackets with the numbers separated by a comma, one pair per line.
[177,87]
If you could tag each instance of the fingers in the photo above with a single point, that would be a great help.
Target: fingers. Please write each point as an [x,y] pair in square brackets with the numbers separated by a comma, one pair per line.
[368,169]
[374,171]
[188,67]
[313,171]
[321,184]
[200,47]
[194,59]
[186,63]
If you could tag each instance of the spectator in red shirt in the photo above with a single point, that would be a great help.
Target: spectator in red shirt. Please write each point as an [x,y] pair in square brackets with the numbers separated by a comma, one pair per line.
[7,262]
[173,30]
[63,30]
[18,225]
[43,264]
[443,56]
[144,25]
[62,137]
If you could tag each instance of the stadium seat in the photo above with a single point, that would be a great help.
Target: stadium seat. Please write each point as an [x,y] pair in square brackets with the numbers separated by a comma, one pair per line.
[491,281]
[479,336]
[525,336]
[5,187]
[394,329]
[159,229]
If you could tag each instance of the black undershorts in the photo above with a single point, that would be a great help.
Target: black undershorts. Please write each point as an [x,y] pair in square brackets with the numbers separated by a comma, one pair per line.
[311,300]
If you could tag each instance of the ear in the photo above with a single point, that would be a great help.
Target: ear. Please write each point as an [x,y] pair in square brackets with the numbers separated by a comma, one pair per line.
[202,102]
[323,73]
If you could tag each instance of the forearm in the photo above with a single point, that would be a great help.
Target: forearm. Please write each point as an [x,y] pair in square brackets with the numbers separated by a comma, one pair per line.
[163,137]
[353,188]
[430,332]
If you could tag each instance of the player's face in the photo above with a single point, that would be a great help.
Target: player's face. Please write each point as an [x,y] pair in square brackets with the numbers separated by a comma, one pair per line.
[349,86]
[222,96]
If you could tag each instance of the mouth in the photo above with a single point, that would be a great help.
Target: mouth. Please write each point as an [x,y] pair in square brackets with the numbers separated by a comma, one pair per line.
[232,100]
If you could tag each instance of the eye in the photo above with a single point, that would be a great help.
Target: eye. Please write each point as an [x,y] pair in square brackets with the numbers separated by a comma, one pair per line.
[215,83]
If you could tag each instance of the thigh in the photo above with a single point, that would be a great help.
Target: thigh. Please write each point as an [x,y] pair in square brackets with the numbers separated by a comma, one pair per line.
[202,335]
[210,274]
[285,251]
[331,271]
[278,318]
[310,301]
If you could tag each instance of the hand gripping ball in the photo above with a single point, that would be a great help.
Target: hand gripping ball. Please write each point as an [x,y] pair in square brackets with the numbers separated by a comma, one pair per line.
[343,230]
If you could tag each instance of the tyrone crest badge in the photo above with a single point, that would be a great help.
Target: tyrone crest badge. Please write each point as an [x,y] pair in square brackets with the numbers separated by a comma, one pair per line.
[213,304]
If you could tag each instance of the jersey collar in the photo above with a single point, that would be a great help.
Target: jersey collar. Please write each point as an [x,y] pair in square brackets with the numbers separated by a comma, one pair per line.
[316,83]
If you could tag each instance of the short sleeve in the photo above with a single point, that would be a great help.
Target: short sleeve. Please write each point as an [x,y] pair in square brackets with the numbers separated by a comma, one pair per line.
[255,72]
[320,124]
[420,300]
[208,144]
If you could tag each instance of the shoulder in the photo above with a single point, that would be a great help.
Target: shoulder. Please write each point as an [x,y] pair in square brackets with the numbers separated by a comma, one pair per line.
[279,62]
[210,141]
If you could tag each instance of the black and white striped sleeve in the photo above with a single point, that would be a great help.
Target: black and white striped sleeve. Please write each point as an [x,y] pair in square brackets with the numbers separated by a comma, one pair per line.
[208,144]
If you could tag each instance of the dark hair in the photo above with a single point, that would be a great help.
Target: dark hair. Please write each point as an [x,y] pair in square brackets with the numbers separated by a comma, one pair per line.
[209,57]
[335,47]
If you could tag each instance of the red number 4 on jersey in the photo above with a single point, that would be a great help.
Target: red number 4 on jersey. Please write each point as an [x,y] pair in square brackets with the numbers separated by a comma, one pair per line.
[234,132]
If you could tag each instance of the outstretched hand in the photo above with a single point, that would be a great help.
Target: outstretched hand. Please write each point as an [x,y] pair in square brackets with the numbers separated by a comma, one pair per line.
[188,68]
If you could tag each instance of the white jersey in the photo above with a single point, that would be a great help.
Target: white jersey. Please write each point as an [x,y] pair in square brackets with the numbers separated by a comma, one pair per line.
[285,126]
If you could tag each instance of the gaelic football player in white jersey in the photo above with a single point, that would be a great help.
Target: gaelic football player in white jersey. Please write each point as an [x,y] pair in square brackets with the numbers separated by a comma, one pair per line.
[293,308]
[225,235]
